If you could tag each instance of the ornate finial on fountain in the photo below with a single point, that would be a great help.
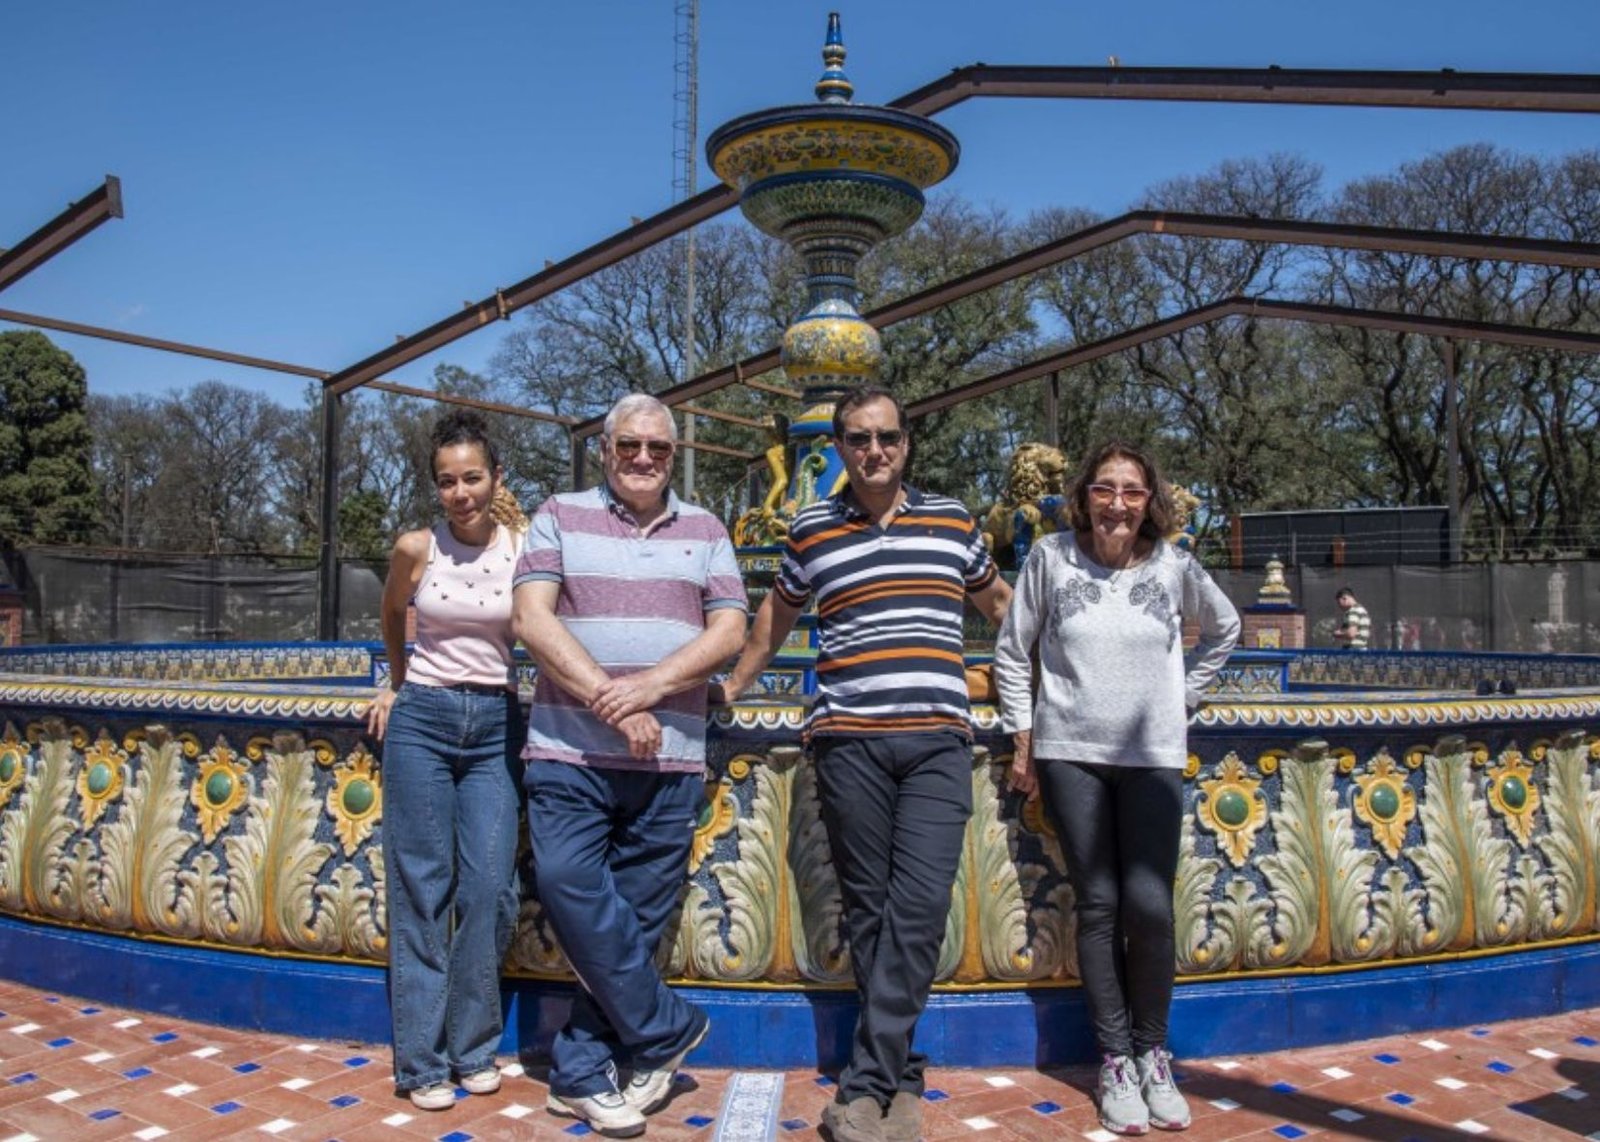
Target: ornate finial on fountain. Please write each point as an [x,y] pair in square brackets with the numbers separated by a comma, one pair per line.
[833,87]
[1274,592]
[832,179]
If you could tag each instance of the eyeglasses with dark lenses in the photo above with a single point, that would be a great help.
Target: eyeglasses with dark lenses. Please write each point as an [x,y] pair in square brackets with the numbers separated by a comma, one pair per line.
[627,447]
[886,437]
[1105,493]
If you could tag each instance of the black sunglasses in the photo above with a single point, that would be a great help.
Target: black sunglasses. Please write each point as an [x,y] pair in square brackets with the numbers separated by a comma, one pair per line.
[886,437]
[627,447]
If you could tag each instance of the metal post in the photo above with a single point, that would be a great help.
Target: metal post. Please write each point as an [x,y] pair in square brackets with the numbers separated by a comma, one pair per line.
[578,447]
[328,548]
[1452,416]
[1052,410]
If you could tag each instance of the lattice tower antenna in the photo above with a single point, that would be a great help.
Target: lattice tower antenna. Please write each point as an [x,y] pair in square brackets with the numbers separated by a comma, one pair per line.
[685,175]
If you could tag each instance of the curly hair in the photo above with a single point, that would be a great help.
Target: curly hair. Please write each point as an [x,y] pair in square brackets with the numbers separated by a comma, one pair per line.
[461,426]
[1160,515]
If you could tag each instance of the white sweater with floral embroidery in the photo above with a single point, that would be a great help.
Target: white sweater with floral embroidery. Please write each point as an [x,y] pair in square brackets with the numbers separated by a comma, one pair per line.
[1114,687]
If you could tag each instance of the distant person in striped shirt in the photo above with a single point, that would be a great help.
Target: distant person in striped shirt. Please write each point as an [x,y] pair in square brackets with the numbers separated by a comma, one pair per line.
[628,599]
[890,568]
[1355,624]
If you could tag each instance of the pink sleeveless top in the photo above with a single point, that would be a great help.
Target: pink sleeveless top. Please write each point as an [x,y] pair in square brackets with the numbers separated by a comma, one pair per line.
[464,612]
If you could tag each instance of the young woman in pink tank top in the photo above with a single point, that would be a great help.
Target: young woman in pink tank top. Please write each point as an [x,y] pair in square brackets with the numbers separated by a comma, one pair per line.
[451,732]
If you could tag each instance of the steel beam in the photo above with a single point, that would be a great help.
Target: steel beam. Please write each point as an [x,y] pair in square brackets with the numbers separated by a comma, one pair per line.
[269,365]
[1558,340]
[1445,90]
[503,303]
[1433,243]
[102,204]
[328,542]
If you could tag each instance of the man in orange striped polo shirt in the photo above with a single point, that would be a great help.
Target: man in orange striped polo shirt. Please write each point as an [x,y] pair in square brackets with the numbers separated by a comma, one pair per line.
[890,568]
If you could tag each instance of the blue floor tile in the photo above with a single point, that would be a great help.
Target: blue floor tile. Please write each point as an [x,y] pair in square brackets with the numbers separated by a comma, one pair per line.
[699,1120]
[1047,1107]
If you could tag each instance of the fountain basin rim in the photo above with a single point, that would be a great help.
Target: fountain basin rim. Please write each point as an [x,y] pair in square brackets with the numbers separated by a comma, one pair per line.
[841,113]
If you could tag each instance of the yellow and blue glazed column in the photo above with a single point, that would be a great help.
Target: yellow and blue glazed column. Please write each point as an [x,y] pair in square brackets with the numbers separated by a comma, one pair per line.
[832,179]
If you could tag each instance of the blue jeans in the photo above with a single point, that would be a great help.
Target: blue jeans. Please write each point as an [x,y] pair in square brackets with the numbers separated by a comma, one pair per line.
[450,846]
[610,851]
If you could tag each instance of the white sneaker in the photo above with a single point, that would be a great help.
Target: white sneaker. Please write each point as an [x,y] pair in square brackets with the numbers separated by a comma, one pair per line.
[486,1081]
[434,1096]
[606,1112]
[648,1091]
[1169,1110]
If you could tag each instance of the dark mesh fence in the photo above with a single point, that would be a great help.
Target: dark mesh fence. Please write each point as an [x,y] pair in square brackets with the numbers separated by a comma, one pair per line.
[76,595]
[1515,607]
[79,595]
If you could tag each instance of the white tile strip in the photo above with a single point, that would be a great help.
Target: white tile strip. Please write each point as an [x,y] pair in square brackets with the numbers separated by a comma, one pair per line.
[1472,1126]
[1542,1053]
[276,1126]
[1224,1104]
[979,1123]
[295,1084]
[397,1120]
[1573,1094]
[306,1047]
[1345,1114]
[999,1080]
[1434,1045]
[24,1028]
[1227,1065]
[1100,1136]
[750,1107]
[1336,1072]
[66,1094]
[20,1138]
[206,1052]
[180,1090]
[1450,1084]
[517,1112]
[124,1024]
[149,1133]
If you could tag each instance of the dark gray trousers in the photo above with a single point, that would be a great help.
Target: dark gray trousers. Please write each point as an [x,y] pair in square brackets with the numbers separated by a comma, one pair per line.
[895,808]
[1120,831]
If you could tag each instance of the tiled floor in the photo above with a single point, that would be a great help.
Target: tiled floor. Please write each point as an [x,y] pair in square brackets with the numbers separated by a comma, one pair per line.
[71,1070]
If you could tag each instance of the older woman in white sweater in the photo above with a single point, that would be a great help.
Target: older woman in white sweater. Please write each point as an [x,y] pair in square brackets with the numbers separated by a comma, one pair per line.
[1104,741]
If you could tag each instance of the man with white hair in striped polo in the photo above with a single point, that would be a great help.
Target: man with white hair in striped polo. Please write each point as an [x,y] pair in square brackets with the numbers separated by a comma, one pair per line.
[890,733]
[628,599]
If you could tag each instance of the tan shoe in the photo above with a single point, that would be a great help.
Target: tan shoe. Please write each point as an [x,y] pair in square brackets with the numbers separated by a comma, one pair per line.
[859,1120]
[902,1122]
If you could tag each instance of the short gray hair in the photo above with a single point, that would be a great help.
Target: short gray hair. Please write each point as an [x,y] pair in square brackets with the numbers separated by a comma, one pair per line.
[639,404]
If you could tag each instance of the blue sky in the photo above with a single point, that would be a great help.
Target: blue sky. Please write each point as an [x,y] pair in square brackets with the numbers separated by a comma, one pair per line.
[304,181]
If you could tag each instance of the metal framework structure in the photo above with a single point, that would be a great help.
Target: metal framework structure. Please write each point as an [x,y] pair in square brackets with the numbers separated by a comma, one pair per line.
[100,205]
[1443,90]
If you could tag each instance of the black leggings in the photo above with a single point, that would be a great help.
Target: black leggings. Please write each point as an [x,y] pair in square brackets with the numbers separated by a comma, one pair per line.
[1119,829]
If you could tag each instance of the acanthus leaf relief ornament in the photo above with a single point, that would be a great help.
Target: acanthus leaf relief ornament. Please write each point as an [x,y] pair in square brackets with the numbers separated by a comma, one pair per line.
[356,800]
[100,778]
[1513,794]
[143,850]
[35,830]
[221,785]
[1570,845]
[1385,803]
[1231,805]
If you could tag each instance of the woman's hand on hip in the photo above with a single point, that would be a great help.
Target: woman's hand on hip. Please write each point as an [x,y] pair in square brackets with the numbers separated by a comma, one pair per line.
[378,712]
